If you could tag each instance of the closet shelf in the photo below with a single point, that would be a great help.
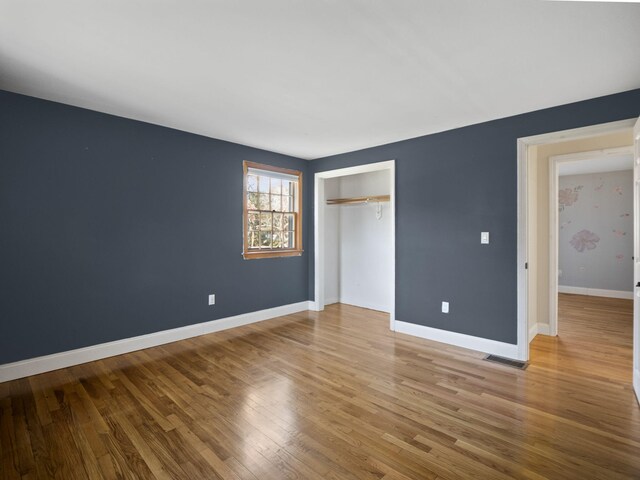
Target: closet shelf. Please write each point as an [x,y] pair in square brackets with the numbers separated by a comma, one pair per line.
[355,200]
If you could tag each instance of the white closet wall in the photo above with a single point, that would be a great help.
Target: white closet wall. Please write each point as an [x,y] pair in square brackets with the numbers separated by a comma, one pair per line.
[332,243]
[358,245]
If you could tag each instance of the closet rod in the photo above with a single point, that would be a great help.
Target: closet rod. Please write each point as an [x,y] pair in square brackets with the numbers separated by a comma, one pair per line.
[352,200]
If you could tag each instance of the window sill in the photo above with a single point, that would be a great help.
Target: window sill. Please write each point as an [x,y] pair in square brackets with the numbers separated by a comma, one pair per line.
[272,254]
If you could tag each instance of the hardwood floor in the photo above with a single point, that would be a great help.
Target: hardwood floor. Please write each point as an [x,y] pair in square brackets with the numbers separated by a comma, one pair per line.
[333,395]
[595,338]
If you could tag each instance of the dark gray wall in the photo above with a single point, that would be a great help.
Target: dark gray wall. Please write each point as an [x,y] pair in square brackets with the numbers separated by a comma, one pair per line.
[112,228]
[451,186]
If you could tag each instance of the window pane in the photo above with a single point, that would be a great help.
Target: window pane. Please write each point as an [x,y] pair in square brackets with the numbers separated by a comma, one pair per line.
[252,201]
[252,183]
[287,204]
[286,188]
[265,239]
[254,221]
[263,184]
[277,240]
[287,239]
[277,221]
[288,222]
[254,240]
[276,202]
[264,202]
[265,221]
[276,186]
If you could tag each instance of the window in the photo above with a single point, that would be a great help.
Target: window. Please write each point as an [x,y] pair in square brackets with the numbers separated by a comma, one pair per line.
[272,209]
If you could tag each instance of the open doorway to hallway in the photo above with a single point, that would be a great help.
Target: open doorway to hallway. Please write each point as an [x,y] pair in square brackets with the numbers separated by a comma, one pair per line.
[582,248]
[592,254]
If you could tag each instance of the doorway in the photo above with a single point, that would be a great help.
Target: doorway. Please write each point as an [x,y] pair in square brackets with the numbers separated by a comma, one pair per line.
[536,305]
[591,226]
[591,261]
[357,289]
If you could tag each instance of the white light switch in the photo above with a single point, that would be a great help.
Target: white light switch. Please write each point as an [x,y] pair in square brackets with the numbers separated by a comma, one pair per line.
[445,307]
[484,237]
[212,299]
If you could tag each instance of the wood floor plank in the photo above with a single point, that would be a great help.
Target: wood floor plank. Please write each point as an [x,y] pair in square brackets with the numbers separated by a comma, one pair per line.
[336,395]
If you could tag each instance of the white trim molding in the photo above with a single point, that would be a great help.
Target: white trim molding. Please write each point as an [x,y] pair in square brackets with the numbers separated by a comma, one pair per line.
[55,361]
[595,292]
[636,254]
[369,306]
[538,329]
[507,350]
[522,277]
[313,306]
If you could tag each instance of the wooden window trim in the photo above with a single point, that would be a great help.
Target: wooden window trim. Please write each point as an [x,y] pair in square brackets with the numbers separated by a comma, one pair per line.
[279,252]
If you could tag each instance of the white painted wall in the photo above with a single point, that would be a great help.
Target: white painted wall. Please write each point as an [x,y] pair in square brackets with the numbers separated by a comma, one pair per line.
[358,245]
[332,243]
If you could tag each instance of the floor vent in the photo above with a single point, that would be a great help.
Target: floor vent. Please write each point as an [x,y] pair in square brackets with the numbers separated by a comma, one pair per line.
[506,361]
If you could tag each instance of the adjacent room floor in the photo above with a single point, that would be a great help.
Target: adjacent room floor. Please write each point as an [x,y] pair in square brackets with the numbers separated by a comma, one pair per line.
[595,339]
[335,395]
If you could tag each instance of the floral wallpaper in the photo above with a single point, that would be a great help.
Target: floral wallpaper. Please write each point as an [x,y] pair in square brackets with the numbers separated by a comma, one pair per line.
[568,196]
[584,240]
[596,231]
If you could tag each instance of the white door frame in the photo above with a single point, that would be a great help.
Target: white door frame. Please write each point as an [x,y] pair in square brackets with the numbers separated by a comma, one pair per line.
[636,260]
[523,145]
[319,225]
[554,172]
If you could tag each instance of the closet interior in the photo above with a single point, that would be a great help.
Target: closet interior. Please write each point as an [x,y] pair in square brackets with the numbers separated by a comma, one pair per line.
[357,238]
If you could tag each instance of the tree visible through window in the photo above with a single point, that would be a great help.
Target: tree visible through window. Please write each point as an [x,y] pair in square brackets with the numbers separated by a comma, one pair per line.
[272,211]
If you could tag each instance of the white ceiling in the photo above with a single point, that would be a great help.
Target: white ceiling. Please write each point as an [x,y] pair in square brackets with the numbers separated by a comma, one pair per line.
[612,163]
[312,78]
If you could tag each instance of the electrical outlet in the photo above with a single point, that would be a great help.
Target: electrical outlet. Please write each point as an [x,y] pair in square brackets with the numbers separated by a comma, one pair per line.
[212,299]
[484,238]
[445,307]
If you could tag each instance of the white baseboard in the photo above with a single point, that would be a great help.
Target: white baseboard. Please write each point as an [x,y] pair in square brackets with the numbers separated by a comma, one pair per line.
[370,306]
[538,328]
[533,331]
[501,349]
[34,366]
[313,306]
[636,383]
[595,292]
[331,301]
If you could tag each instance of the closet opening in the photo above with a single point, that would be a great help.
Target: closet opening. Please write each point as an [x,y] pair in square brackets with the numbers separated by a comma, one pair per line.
[354,219]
